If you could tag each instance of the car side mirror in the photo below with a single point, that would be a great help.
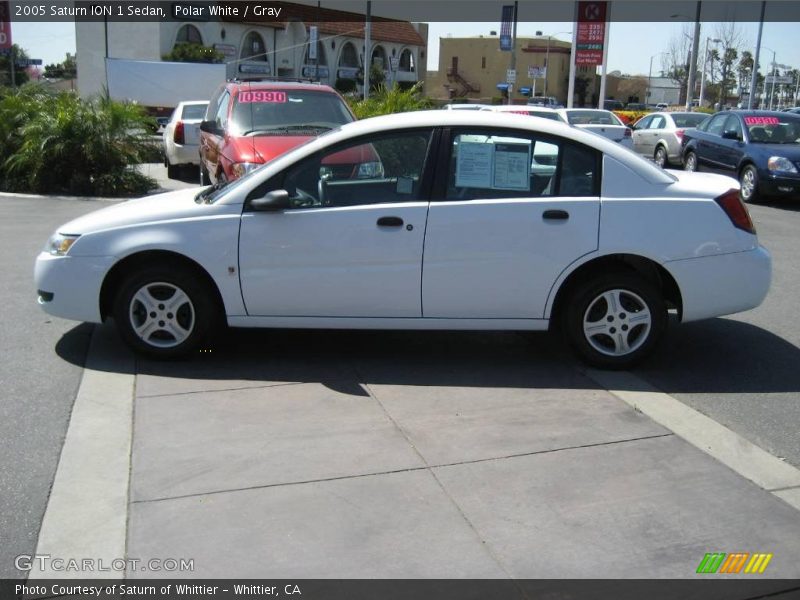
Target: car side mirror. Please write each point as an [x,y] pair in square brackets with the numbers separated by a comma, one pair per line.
[209,127]
[272,202]
[730,134]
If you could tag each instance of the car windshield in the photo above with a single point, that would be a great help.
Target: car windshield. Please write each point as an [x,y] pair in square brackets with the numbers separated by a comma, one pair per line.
[592,117]
[194,111]
[688,119]
[773,129]
[277,112]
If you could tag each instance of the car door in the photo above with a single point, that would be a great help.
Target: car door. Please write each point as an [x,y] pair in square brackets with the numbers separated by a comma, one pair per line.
[513,211]
[350,245]
[211,143]
[654,132]
[731,148]
[709,144]
[640,135]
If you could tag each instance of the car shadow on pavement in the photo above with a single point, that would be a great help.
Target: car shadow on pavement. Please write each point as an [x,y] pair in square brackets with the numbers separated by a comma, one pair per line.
[716,356]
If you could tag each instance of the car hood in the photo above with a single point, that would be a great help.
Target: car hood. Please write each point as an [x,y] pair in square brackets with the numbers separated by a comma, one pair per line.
[150,209]
[267,147]
[790,151]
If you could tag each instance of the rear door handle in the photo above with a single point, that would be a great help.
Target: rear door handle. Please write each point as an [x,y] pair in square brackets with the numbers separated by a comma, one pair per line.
[555,215]
[390,222]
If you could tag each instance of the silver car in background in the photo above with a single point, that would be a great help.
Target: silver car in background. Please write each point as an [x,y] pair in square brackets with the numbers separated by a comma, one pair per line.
[601,122]
[659,135]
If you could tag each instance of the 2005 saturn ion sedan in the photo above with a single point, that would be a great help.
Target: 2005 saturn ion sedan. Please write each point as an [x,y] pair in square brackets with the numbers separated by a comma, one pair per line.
[466,220]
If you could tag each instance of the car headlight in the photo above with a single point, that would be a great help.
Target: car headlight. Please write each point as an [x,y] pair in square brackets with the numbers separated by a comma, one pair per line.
[59,244]
[243,168]
[782,164]
[369,170]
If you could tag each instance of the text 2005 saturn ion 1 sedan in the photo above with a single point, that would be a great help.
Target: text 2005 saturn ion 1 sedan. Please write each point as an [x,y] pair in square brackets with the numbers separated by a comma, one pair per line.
[469,220]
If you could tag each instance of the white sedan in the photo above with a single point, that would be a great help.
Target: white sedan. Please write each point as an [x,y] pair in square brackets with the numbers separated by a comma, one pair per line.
[453,231]
[181,136]
[601,122]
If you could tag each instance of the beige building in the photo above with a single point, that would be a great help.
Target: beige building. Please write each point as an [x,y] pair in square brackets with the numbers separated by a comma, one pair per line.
[474,67]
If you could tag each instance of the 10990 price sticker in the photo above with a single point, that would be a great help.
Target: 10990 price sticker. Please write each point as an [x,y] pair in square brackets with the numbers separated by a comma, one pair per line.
[257,96]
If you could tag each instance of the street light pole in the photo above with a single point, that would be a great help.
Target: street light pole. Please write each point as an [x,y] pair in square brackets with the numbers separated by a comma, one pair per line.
[547,59]
[693,60]
[774,69]
[754,74]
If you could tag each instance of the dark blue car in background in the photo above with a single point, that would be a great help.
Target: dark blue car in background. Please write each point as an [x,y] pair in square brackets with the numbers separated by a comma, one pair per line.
[759,148]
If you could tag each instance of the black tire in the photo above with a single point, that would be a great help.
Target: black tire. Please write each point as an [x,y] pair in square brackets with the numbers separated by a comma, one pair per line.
[748,182]
[193,319]
[173,171]
[605,348]
[661,158]
[205,179]
[690,161]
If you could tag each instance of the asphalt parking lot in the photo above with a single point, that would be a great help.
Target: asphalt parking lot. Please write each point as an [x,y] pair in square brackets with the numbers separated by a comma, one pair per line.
[374,454]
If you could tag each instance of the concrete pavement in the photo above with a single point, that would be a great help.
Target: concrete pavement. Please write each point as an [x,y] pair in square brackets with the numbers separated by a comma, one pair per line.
[359,455]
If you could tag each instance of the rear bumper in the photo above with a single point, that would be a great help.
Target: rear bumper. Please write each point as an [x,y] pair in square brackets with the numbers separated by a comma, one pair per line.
[712,286]
[183,154]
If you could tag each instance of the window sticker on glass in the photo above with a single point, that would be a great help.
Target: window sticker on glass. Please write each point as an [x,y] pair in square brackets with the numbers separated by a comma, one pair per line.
[262,96]
[405,185]
[474,166]
[761,120]
[512,166]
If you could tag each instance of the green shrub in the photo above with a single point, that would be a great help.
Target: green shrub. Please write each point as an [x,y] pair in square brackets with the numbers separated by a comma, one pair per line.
[192,52]
[384,101]
[60,143]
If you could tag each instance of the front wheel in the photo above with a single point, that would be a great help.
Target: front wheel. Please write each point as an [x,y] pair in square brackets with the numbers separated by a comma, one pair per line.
[690,161]
[164,311]
[748,181]
[615,320]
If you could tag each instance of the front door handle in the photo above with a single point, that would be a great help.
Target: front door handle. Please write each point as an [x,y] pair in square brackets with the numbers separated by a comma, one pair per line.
[390,222]
[555,215]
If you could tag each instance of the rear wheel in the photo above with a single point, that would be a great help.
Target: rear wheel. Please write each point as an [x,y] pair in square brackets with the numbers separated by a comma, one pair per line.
[690,161]
[165,311]
[748,182]
[172,170]
[615,320]
[205,179]
[660,157]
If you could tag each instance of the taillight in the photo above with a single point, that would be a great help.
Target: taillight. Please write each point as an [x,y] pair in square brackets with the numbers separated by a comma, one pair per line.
[177,136]
[679,134]
[736,211]
[628,132]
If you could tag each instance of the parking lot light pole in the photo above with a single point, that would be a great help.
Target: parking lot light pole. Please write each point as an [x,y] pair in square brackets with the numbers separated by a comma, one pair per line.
[547,59]
[649,76]
[754,74]
[693,62]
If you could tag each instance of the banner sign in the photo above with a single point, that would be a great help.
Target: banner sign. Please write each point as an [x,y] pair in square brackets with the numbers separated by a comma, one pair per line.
[505,28]
[591,33]
[313,34]
[5,25]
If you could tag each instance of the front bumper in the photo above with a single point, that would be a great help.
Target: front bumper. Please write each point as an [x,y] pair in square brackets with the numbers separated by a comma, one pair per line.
[69,286]
[723,284]
[784,186]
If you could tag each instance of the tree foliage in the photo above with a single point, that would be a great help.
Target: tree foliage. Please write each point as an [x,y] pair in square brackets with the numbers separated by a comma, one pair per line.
[68,69]
[385,101]
[60,143]
[196,53]
[21,76]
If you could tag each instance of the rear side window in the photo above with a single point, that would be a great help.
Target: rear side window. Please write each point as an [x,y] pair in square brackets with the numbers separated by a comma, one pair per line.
[485,165]
[193,111]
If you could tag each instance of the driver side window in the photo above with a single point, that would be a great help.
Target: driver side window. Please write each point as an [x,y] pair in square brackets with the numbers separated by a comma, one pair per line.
[377,170]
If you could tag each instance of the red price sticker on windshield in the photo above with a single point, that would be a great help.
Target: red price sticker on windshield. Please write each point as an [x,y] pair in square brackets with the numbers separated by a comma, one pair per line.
[762,121]
[259,96]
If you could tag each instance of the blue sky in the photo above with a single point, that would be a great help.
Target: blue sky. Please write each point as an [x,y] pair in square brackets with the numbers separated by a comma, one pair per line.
[631,44]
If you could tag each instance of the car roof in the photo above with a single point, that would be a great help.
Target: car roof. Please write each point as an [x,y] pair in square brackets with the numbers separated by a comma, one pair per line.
[518,107]
[281,85]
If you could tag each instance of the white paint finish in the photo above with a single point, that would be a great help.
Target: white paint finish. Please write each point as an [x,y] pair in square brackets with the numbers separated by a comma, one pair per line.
[731,449]
[422,324]
[500,258]
[333,262]
[86,515]
[189,151]
[722,285]
[75,283]
[791,497]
